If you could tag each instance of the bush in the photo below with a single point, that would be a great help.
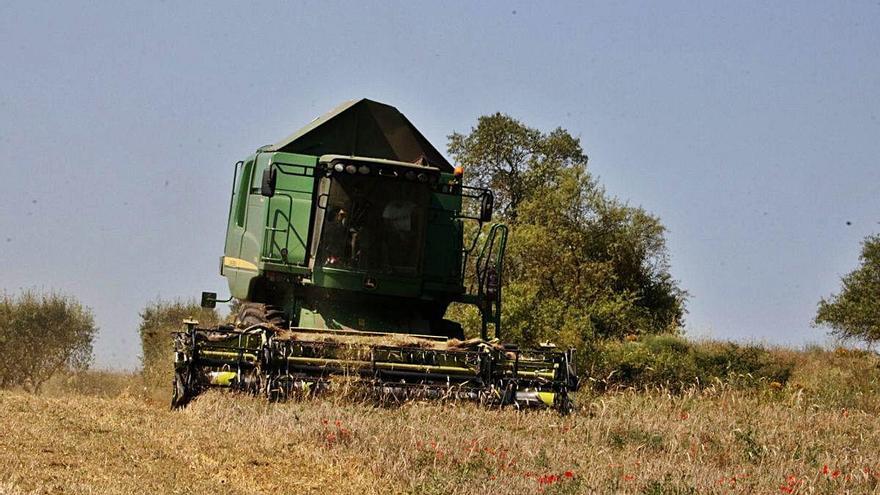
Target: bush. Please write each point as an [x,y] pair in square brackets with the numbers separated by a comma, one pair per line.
[733,362]
[41,335]
[675,363]
[159,320]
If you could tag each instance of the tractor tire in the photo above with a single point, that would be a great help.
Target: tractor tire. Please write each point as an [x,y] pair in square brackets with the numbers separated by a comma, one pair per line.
[447,328]
[250,314]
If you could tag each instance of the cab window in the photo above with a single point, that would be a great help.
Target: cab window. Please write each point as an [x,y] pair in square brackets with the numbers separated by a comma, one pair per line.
[242,191]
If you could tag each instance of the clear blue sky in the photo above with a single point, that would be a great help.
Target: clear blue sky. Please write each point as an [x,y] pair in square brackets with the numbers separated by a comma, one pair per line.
[753,131]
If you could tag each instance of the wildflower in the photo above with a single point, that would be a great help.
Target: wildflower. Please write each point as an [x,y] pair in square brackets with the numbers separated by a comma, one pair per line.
[568,474]
[548,479]
[786,489]
[628,477]
[683,416]
[835,473]
[825,469]
[727,481]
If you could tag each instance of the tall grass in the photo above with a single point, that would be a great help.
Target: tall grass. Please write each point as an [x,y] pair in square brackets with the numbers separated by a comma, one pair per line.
[718,438]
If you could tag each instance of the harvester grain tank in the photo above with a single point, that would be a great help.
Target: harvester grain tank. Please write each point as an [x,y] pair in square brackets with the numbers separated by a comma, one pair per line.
[345,246]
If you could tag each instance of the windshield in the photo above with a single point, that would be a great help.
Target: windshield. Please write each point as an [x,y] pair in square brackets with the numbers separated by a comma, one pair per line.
[374,224]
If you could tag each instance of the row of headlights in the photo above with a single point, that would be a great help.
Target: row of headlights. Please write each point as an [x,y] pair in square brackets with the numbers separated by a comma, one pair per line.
[365,170]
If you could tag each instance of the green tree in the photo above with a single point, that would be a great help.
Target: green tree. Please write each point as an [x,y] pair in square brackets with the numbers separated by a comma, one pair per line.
[854,313]
[41,335]
[581,264]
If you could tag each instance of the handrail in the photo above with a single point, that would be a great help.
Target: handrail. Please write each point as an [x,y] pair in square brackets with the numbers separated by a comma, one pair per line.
[489,273]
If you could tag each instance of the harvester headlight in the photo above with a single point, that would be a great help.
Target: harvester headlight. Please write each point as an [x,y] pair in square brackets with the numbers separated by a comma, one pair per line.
[338,167]
[350,169]
[364,170]
[423,177]
[411,175]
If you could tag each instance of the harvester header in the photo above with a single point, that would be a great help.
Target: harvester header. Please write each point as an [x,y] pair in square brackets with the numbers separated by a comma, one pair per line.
[345,247]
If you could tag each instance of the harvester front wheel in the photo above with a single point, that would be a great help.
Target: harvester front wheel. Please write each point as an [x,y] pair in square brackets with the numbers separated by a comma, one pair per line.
[448,328]
[258,313]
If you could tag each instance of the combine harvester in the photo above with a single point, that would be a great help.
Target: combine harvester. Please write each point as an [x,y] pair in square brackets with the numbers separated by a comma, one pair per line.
[346,245]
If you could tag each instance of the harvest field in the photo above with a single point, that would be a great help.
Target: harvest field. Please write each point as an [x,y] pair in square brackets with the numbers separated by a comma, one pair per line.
[816,434]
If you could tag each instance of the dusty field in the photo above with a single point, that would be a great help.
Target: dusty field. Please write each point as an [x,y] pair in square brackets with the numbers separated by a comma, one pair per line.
[716,441]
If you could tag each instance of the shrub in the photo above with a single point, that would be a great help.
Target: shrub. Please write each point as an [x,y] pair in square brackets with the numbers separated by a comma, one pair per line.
[159,320]
[734,362]
[673,362]
[41,335]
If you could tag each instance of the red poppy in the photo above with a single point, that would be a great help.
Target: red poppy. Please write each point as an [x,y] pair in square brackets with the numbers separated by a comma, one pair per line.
[568,474]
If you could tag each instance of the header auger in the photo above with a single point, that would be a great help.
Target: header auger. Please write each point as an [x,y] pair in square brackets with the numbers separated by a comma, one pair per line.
[345,246]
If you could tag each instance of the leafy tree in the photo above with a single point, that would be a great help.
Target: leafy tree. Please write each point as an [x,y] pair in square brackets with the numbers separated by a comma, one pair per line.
[41,335]
[854,313]
[580,264]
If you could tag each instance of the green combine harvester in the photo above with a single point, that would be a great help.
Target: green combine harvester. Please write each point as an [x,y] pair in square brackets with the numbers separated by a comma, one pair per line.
[345,246]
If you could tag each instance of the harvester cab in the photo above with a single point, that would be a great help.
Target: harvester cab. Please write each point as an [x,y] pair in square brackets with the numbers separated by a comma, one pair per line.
[346,244]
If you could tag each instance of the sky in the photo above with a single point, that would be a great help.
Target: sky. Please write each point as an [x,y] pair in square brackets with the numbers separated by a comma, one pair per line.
[752,129]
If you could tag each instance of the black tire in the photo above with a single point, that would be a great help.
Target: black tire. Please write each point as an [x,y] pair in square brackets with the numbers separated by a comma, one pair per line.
[448,328]
[250,314]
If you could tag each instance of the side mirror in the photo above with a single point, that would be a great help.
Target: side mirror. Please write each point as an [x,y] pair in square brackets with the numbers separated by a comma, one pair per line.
[486,205]
[209,299]
[270,176]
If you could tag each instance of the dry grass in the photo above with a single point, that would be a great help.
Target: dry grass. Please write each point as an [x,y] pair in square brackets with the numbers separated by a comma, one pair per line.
[800,438]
